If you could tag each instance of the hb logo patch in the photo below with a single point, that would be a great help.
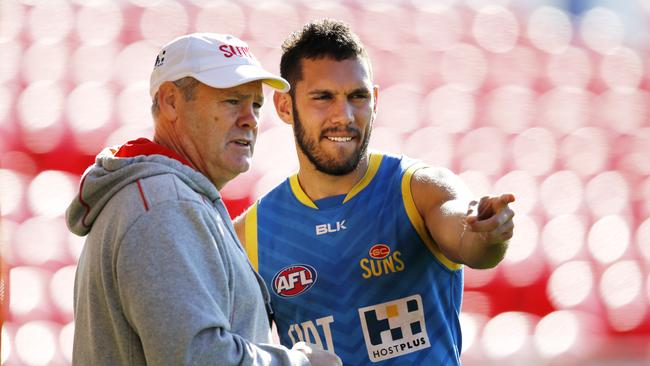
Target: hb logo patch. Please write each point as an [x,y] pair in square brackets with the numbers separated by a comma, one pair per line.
[394,328]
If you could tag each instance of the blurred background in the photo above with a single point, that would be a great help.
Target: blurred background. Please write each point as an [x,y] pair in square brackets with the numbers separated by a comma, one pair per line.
[546,99]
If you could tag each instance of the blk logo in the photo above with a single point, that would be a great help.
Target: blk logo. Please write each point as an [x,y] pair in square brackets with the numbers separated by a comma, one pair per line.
[294,280]
[329,228]
[394,328]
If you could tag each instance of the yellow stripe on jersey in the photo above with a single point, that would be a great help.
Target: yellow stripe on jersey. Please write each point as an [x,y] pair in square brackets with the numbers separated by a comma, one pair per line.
[299,193]
[373,167]
[251,235]
[418,221]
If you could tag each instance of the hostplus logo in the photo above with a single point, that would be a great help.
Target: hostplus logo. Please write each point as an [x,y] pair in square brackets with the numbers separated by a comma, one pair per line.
[394,328]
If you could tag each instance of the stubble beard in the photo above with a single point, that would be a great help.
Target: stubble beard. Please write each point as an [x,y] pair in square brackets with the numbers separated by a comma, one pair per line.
[319,159]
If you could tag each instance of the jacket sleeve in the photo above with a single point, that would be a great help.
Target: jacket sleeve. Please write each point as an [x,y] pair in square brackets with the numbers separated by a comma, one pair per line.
[173,283]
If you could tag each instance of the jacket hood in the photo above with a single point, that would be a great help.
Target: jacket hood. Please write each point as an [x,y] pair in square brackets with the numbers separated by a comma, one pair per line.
[116,168]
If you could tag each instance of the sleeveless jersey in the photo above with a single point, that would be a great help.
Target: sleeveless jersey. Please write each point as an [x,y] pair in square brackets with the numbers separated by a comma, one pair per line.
[358,274]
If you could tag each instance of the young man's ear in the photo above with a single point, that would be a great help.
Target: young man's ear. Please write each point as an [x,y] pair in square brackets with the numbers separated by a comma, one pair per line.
[168,97]
[284,106]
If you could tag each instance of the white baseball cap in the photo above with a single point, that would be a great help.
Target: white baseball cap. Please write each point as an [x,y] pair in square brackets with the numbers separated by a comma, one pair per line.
[217,60]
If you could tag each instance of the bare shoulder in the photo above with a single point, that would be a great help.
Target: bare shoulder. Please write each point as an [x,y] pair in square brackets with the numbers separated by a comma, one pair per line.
[442,200]
[437,184]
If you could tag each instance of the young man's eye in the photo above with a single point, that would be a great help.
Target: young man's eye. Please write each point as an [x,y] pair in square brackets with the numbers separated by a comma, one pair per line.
[322,97]
[232,101]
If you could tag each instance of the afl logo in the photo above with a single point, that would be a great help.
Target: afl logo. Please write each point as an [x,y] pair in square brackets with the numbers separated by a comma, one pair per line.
[294,280]
[379,251]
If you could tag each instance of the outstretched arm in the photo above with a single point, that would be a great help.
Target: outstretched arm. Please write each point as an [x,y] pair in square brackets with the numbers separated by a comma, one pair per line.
[466,231]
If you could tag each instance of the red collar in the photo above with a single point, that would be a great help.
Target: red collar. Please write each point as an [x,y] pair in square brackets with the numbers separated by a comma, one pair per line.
[143,146]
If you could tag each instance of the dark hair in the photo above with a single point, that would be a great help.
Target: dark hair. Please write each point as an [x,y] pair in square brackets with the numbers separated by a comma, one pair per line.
[319,39]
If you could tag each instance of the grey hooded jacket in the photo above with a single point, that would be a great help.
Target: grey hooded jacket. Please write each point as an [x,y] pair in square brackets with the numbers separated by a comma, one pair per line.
[162,279]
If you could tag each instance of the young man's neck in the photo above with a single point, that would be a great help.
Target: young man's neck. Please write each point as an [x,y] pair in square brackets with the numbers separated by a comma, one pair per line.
[317,184]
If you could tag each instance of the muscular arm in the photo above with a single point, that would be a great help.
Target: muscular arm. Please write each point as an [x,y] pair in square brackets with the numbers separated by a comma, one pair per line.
[463,236]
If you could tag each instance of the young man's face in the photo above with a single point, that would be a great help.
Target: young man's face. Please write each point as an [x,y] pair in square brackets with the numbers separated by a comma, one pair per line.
[219,129]
[333,109]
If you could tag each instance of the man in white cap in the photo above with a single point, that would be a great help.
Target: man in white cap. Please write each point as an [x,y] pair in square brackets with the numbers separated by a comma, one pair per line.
[162,279]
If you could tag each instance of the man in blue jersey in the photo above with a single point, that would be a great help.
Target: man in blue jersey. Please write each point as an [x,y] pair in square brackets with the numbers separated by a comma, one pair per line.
[364,251]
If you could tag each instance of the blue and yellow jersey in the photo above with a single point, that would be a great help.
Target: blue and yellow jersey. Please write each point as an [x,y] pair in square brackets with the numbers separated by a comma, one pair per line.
[358,273]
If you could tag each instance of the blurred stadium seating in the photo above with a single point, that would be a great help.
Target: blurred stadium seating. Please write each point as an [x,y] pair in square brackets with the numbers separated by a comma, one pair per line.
[546,99]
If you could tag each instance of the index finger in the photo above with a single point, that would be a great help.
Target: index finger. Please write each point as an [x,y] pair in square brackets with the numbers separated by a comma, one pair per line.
[507,198]
[489,224]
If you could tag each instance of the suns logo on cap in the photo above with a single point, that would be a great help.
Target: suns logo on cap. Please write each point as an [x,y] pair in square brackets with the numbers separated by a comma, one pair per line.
[294,280]
[230,51]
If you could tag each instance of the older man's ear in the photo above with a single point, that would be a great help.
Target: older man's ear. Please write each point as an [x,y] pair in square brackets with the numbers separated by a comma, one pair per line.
[168,100]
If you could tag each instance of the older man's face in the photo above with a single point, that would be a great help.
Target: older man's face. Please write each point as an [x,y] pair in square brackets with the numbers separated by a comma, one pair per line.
[218,129]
